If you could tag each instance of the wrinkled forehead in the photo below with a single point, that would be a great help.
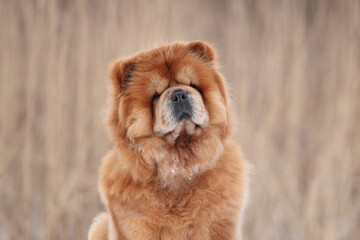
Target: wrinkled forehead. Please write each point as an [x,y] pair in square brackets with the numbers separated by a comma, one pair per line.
[162,73]
[162,81]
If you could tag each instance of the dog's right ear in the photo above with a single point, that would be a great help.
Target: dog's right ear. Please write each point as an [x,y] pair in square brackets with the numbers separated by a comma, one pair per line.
[121,72]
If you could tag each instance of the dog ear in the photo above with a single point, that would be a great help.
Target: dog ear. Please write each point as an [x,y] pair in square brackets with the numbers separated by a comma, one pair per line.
[203,50]
[121,72]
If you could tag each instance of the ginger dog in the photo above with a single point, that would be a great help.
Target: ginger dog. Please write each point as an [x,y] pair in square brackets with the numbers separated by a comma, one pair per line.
[173,172]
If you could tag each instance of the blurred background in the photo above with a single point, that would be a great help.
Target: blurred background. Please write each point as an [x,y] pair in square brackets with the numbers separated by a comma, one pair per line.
[293,69]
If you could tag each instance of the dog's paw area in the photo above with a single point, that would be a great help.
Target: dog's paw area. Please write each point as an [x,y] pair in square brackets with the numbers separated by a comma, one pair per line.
[99,227]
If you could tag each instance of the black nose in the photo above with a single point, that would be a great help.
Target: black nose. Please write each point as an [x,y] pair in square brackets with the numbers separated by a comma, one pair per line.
[179,96]
[181,105]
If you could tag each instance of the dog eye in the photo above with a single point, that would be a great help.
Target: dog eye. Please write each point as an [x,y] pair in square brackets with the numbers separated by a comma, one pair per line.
[156,96]
[196,87]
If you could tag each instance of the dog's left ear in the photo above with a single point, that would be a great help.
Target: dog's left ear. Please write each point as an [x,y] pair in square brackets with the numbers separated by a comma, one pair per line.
[203,50]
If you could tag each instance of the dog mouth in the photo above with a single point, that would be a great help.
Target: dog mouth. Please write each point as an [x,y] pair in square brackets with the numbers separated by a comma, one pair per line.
[184,128]
[184,116]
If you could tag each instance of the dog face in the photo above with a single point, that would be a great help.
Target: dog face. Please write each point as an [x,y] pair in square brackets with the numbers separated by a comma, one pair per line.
[156,91]
[169,112]
[178,103]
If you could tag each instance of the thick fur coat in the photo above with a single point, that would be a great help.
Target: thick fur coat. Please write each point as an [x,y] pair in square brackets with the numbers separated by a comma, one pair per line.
[173,172]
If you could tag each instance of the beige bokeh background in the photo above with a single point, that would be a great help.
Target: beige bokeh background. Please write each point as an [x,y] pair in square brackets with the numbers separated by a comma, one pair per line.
[293,69]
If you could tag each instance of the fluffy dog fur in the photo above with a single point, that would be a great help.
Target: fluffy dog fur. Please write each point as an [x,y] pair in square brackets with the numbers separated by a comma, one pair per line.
[166,177]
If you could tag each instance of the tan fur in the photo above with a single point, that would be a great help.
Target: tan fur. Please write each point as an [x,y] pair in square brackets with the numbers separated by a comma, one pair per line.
[166,179]
[99,227]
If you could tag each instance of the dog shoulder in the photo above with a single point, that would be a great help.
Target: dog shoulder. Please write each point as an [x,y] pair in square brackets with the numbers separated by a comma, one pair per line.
[232,170]
[111,177]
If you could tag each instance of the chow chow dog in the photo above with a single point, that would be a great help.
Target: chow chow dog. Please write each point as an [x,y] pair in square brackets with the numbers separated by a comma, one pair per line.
[173,172]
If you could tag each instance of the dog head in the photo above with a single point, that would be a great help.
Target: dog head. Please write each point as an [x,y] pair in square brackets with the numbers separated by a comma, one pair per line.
[166,94]
[155,91]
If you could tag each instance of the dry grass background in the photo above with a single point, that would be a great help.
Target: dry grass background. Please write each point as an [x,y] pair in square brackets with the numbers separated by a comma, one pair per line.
[294,72]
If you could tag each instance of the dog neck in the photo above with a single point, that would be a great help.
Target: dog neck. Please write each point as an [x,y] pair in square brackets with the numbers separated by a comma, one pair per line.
[154,159]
